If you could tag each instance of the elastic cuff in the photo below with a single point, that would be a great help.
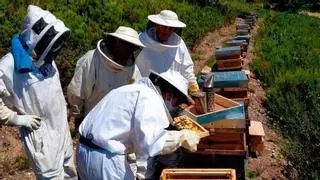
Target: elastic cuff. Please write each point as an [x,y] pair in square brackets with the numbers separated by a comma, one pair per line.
[12,116]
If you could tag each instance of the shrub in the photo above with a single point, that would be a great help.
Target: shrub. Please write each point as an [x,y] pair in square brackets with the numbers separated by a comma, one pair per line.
[89,19]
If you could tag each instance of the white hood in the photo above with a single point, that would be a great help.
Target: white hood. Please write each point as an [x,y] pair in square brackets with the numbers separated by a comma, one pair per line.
[149,39]
[31,37]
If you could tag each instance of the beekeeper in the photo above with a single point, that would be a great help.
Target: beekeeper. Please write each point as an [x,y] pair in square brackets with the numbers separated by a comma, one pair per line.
[130,119]
[32,98]
[110,65]
[165,49]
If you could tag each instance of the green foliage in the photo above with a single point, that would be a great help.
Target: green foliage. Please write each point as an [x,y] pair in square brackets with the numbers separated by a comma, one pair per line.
[88,20]
[292,5]
[289,61]
[240,7]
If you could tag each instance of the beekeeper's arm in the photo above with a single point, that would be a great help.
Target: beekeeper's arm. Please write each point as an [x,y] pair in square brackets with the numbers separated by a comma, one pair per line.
[150,134]
[81,85]
[188,71]
[8,116]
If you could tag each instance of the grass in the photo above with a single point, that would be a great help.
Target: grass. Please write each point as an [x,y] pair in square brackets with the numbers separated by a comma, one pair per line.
[288,62]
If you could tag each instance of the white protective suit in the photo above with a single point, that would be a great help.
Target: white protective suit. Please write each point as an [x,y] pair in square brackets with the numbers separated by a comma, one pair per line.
[95,75]
[173,55]
[129,119]
[50,147]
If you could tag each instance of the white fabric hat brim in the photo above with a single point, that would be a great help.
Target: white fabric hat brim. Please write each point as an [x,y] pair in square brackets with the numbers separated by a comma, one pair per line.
[173,84]
[126,38]
[170,23]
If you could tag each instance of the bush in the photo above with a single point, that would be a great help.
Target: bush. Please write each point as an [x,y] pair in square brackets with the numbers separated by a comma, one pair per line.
[292,5]
[89,19]
[288,62]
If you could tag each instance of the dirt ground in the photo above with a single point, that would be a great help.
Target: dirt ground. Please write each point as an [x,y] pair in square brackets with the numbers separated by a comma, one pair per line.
[268,165]
[14,164]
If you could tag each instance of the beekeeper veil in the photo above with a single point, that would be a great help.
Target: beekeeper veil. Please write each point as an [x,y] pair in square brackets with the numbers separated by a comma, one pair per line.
[43,34]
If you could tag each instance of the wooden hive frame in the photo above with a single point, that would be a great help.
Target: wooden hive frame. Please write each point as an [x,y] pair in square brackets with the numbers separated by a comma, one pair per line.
[179,174]
[204,132]
[228,114]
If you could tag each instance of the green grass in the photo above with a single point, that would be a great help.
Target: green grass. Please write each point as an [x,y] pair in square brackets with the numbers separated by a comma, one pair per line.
[288,49]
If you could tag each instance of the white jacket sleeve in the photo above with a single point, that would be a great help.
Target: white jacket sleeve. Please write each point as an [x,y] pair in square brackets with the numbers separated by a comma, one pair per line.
[150,121]
[81,85]
[188,71]
[5,113]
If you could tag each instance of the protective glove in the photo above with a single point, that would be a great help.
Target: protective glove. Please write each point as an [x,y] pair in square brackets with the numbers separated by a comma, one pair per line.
[193,87]
[185,138]
[31,122]
[190,140]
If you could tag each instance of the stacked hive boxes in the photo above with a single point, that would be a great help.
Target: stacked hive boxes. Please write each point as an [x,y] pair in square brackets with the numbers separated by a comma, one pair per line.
[226,146]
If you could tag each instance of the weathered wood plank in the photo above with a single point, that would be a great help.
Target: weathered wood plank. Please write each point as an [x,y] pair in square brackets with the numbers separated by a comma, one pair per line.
[256,129]
[229,64]
[232,52]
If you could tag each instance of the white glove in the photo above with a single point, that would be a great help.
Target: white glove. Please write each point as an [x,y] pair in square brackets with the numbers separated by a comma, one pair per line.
[191,140]
[185,138]
[31,122]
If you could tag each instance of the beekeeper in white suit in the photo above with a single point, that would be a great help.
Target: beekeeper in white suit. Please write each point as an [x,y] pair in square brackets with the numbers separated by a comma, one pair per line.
[165,49]
[130,119]
[32,98]
[110,65]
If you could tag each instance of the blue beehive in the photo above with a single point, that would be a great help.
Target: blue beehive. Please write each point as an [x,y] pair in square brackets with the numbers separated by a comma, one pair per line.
[230,79]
